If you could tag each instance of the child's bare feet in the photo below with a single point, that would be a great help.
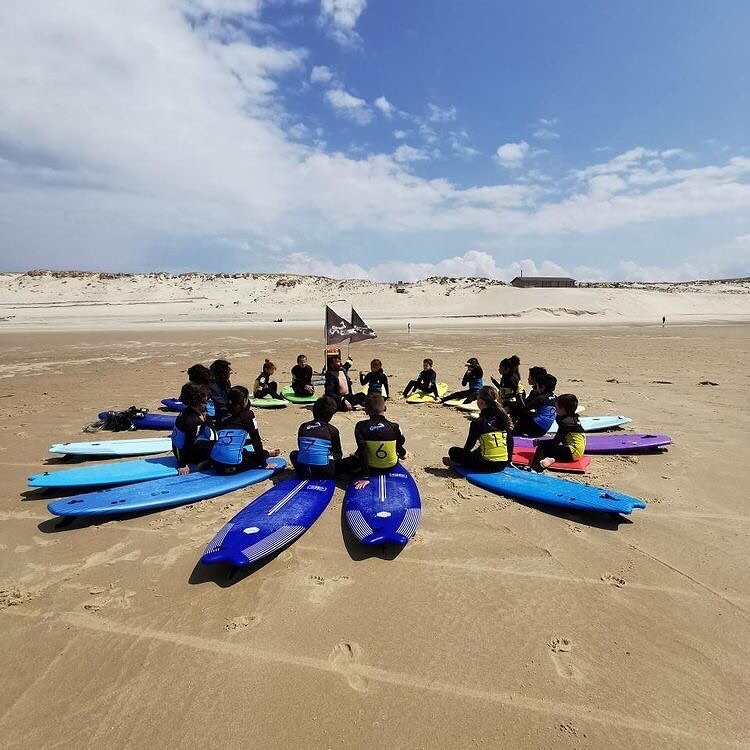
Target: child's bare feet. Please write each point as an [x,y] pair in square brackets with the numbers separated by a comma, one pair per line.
[447,461]
[545,463]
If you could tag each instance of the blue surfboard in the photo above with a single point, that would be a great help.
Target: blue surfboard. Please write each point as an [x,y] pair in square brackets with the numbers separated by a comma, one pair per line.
[540,488]
[150,421]
[110,475]
[387,511]
[173,404]
[161,493]
[270,522]
[138,447]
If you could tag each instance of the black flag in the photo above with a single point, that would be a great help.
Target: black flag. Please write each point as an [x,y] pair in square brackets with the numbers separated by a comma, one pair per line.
[361,330]
[337,329]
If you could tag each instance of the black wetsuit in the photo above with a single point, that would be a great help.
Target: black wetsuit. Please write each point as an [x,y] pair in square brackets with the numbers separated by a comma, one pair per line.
[246,421]
[264,386]
[380,443]
[568,443]
[219,391]
[376,381]
[473,379]
[301,376]
[192,437]
[536,415]
[425,382]
[319,451]
[495,451]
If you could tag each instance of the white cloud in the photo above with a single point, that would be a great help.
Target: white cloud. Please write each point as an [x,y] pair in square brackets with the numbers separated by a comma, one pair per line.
[132,139]
[349,106]
[511,155]
[545,129]
[339,18]
[399,135]
[384,106]
[441,114]
[744,238]
[405,154]
[459,143]
[321,74]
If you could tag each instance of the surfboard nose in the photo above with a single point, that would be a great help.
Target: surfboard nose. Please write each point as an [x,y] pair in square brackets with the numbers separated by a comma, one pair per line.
[225,556]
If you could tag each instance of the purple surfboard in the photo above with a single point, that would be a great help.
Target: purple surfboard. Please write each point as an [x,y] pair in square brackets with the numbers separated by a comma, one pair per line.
[151,421]
[611,442]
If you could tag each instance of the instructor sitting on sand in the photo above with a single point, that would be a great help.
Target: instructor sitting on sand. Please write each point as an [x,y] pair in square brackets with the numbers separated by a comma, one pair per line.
[339,386]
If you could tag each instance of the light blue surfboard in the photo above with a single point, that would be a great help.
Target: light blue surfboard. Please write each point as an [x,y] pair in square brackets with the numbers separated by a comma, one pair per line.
[143,447]
[271,522]
[387,511]
[597,424]
[541,488]
[161,493]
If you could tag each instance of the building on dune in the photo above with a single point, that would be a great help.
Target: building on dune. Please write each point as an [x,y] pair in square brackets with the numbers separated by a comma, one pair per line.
[523,282]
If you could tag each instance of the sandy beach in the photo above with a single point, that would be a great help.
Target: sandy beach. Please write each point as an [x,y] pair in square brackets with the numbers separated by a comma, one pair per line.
[499,625]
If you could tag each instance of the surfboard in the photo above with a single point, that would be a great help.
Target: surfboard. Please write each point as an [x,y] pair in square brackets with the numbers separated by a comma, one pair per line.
[420,397]
[150,421]
[110,475]
[388,510]
[268,403]
[107,475]
[161,493]
[597,424]
[459,404]
[272,521]
[547,490]
[611,442]
[289,395]
[173,404]
[138,447]
[524,456]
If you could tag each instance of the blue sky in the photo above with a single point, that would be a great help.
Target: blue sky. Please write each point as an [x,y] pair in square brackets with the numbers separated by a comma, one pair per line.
[388,140]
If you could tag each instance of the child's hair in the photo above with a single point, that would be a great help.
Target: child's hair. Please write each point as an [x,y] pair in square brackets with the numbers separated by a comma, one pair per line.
[473,361]
[537,373]
[376,364]
[221,368]
[324,409]
[236,397]
[301,356]
[374,404]
[193,394]
[427,361]
[269,366]
[568,402]
[504,364]
[515,361]
[489,395]
[199,374]
[549,381]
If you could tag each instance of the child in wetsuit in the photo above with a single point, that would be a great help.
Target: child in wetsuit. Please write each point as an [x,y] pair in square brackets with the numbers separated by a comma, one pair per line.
[375,380]
[228,454]
[510,380]
[493,430]
[319,443]
[569,443]
[380,443]
[537,414]
[264,385]
[302,377]
[200,375]
[426,381]
[472,379]
[219,386]
[192,436]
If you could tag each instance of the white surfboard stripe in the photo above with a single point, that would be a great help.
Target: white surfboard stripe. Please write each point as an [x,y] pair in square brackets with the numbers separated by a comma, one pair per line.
[358,524]
[272,542]
[411,520]
[284,500]
[217,541]
[382,488]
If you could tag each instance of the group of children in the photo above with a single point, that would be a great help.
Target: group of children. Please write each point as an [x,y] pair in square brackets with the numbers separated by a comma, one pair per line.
[218,423]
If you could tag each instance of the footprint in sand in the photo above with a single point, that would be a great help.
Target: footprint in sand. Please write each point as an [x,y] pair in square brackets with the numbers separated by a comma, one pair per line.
[322,587]
[344,658]
[614,580]
[12,596]
[241,622]
[560,651]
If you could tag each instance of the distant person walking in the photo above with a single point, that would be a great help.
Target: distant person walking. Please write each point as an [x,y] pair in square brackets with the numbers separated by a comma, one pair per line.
[408,327]
[663,321]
